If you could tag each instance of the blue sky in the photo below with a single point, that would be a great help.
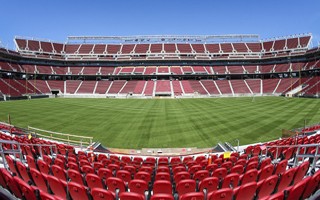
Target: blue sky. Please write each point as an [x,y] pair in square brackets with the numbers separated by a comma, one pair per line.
[57,19]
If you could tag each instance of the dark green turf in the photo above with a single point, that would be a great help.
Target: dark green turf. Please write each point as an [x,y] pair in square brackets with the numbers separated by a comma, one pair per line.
[138,123]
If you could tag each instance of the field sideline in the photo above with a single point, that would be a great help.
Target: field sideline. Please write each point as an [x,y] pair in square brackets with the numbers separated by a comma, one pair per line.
[139,123]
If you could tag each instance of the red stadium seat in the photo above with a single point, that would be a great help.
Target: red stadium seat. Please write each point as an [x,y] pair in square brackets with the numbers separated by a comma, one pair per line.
[220,173]
[75,176]
[231,181]
[181,176]
[39,179]
[131,196]
[57,186]
[265,162]
[222,194]
[58,172]
[209,184]
[249,176]
[177,169]
[286,179]
[266,172]
[2,180]
[102,194]
[143,175]
[23,171]
[104,173]
[211,167]
[87,169]
[12,165]
[194,169]
[114,183]
[312,185]
[237,169]
[60,163]
[162,197]
[130,169]
[31,162]
[138,186]
[281,167]
[73,165]
[77,191]
[296,191]
[27,191]
[46,196]
[163,176]
[228,165]
[124,175]
[94,181]
[12,184]
[252,165]
[245,191]
[162,186]
[192,196]
[43,166]
[186,186]
[200,175]
[163,169]
[301,172]
[267,186]
[276,196]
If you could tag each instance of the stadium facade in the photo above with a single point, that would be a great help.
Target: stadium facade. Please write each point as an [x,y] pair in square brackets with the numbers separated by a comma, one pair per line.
[165,65]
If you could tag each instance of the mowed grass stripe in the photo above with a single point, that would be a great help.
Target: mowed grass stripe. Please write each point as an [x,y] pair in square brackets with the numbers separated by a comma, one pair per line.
[139,123]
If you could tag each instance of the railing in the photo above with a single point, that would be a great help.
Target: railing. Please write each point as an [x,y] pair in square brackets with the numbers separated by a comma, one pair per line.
[66,138]
[301,152]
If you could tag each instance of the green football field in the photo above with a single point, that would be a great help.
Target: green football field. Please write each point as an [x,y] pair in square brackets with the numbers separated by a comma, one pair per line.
[138,123]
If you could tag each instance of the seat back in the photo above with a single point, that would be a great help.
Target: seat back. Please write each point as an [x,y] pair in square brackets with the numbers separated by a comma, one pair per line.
[312,185]
[231,181]
[266,172]
[186,186]
[296,191]
[192,196]
[281,167]
[94,181]
[162,186]
[57,187]
[43,166]
[23,171]
[101,194]
[162,197]
[246,191]
[105,173]
[301,172]
[222,194]
[209,183]
[124,175]
[138,186]
[131,196]
[249,176]
[27,191]
[267,186]
[75,176]
[286,179]
[58,172]
[220,173]
[38,179]
[114,183]
[77,191]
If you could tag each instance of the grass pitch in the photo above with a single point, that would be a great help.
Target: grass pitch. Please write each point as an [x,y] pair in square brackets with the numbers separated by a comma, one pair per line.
[139,123]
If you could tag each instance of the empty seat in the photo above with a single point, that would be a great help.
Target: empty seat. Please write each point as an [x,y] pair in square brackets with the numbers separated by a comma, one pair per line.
[265,162]
[245,191]
[266,172]
[31,162]
[312,185]
[162,197]
[162,186]
[124,175]
[209,184]
[57,186]
[237,169]
[87,169]
[220,173]
[12,165]
[181,176]
[38,179]
[138,186]
[231,180]
[200,175]
[194,169]
[296,191]
[192,196]
[58,172]
[211,167]
[104,173]
[27,191]
[186,186]
[23,171]
[94,181]
[267,186]
[286,179]
[281,167]
[143,175]
[163,176]
[43,166]
[75,176]
[77,191]
[249,176]
[131,196]
[101,194]
[12,184]
[46,196]
[222,194]
[301,172]
[114,183]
